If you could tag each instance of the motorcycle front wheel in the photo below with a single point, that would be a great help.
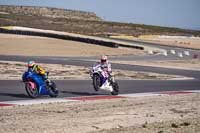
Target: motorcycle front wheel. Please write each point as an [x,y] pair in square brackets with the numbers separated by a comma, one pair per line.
[96,82]
[115,88]
[53,91]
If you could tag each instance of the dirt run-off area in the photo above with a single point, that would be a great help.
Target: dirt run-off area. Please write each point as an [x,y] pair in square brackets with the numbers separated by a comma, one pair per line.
[187,64]
[187,42]
[177,41]
[158,114]
[43,46]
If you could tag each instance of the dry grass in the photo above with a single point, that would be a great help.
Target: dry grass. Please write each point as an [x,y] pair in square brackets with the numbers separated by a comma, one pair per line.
[99,28]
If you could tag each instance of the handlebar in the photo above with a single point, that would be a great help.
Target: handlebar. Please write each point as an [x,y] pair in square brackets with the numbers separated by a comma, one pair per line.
[47,73]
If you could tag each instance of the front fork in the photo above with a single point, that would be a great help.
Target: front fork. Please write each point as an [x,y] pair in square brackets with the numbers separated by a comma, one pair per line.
[111,79]
[48,83]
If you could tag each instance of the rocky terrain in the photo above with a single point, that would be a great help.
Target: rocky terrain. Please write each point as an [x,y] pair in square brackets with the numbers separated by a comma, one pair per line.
[78,22]
[49,12]
[158,114]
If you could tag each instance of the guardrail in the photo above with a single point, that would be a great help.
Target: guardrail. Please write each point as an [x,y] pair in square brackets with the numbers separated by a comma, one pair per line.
[65,37]
[81,38]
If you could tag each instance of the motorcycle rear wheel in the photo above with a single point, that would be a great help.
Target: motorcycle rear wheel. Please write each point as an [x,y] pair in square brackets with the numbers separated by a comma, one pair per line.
[32,92]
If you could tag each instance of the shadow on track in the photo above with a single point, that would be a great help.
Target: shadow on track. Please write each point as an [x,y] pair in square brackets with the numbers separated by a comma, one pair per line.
[14,95]
[80,93]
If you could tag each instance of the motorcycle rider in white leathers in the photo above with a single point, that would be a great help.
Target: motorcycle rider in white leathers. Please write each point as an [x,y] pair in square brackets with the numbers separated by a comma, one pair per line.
[105,66]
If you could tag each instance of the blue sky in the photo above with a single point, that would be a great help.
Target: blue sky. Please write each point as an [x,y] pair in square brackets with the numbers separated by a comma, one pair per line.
[172,13]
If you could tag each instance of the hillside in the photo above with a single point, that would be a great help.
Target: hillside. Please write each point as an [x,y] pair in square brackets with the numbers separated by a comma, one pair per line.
[78,22]
[49,12]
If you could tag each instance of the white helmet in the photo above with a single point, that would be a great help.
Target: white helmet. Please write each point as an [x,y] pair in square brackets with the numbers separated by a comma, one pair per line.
[104,58]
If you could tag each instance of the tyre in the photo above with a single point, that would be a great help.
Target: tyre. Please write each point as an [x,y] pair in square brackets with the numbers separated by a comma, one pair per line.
[96,82]
[115,89]
[53,91]
[32,92]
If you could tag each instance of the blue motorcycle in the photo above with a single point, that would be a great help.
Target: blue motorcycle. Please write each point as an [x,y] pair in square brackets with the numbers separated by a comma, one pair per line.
[36,86]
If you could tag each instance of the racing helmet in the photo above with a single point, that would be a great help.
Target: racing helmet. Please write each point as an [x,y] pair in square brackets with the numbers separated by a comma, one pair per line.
[31,63]
[104,58]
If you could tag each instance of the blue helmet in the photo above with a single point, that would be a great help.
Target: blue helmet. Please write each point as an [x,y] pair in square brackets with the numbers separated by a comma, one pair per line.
[31,63]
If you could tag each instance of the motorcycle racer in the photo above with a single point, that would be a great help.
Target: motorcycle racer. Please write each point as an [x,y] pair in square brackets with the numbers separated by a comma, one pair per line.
[32,66]
[105,65]
[102,78]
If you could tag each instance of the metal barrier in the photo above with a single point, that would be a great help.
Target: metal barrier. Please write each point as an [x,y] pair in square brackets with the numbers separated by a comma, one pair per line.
[72,38]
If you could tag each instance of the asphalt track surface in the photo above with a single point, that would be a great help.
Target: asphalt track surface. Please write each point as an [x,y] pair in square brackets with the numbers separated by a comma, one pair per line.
[87,63]
[14,89]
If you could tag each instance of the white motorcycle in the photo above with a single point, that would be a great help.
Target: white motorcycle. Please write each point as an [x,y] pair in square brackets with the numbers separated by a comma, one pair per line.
[104,81]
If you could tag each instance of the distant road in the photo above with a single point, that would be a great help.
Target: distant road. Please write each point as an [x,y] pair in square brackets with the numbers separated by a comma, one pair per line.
[88,63]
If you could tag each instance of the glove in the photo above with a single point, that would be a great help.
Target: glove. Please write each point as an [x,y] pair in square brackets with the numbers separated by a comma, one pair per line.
[45,76]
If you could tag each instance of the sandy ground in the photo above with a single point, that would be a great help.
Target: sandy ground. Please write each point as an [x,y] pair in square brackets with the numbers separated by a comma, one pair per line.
[183,42]
[193,64]
[186,42]
[41,46]
[159,114]
[25,45]
[14,70]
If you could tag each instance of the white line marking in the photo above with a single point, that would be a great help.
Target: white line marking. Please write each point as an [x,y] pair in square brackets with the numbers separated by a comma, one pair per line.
[172,51]
[38,101]
[150,52]
[187,53]
[194,91]
[165,53]
[139,95]
[180,55]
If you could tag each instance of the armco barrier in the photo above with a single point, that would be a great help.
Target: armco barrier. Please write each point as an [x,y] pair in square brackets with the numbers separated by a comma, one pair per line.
[65,37]
[130,46]
[72,38]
